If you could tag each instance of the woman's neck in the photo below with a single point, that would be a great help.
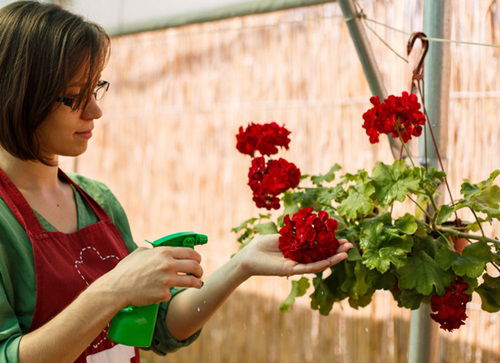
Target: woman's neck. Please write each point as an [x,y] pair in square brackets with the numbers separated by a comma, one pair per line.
[30,176]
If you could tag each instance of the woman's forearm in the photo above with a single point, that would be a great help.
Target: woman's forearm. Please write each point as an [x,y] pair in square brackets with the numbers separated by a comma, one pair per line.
[67,335]
[191,309]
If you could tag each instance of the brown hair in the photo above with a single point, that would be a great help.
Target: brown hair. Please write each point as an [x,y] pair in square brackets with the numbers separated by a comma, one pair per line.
[42,47]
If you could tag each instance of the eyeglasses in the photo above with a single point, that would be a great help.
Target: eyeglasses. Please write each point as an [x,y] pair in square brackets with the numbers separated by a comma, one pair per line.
[99,92]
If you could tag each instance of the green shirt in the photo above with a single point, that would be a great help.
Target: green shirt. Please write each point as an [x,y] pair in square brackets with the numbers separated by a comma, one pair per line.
[17,274]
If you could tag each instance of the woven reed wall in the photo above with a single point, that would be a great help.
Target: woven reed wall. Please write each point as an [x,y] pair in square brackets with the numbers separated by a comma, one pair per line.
[166,147]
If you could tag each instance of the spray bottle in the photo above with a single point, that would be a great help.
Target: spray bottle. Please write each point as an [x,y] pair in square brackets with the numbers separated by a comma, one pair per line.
[134,325]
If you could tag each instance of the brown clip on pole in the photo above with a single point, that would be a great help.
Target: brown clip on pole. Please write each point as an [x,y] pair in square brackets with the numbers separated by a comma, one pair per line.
[418,72]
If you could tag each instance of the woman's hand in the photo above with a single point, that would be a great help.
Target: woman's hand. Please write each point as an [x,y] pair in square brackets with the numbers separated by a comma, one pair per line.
[146,275]
[262,256]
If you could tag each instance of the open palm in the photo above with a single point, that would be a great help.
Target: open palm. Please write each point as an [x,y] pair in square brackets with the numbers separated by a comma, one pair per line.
[262,256]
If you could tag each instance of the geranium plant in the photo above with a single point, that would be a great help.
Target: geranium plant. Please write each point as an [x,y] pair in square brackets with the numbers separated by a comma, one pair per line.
[419,257]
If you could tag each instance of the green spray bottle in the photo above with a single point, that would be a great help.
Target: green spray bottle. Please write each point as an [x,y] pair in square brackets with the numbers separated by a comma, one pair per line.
[134,325]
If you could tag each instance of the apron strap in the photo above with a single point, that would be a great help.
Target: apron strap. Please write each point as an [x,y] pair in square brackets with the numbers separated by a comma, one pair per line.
[19,206]
[23,212]
[98,210]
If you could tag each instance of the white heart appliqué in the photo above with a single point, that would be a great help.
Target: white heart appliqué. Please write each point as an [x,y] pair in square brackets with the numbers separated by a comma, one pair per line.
[80,261]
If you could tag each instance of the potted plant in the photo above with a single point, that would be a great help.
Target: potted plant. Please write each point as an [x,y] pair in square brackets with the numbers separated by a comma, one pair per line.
[428,256]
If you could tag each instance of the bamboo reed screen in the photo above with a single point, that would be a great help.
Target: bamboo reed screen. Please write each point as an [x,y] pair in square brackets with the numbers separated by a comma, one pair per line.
[166,148]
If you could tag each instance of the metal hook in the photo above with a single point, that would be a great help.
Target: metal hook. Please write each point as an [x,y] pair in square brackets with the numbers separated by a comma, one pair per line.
[418,72]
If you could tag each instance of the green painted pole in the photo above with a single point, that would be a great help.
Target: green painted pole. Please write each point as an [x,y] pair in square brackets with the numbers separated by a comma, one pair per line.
[437,13]
[367,59]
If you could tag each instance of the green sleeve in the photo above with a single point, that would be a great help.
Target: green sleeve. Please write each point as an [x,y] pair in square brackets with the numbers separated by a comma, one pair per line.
[163,341]
[10,331]
[16,272]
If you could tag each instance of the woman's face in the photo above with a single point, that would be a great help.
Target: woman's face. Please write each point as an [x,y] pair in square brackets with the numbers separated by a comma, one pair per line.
[65,131]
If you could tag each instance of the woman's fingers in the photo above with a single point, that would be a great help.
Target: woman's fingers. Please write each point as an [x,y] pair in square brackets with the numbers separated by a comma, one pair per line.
[339,257]
[186,281]
[188,267]
[319,265]
[182,253]
[344,247]
[310,267]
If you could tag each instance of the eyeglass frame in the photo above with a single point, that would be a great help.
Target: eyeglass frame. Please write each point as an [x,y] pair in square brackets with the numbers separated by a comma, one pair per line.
[68,101]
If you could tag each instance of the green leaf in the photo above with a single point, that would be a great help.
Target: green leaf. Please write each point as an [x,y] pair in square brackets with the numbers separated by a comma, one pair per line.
[422,273]
[473,260]
[386,281]
[353,255]
[361,286]
[244,225]
[381,247]
[328,177]
[445,257]
[291,206]
[484,208]
[468,189]
[329,290]
[307,198]
[372,236]
[299,288]
[406,224]
[490,196]
[444,213]
[327,195]
[266,228]
[361,301]
[409,299]
[358,202]
[393,182]
[321,299]
[381,259]
[489,291]
[247,234]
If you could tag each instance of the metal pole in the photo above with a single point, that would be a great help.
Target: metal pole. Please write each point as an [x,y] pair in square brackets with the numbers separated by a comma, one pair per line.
[436,93]
[367,59]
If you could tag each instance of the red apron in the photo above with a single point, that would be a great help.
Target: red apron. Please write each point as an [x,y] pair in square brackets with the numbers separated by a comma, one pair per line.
[65,264]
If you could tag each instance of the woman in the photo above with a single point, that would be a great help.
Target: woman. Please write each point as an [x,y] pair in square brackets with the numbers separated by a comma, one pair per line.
[68,262]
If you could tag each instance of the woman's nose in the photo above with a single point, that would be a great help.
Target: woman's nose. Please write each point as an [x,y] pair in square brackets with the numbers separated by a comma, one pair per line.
[92,111]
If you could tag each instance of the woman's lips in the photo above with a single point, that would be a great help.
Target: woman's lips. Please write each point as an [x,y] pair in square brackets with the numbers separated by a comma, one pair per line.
[85,135]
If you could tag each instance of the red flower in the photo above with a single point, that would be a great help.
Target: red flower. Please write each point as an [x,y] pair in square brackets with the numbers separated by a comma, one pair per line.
[262,138]
[308,237]
[268,180]
[450,308]
[398,116]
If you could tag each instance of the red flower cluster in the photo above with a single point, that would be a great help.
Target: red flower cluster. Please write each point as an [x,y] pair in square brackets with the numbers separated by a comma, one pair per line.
[308,237]
[268,180]
[450,308]
[398,116]
[262,138]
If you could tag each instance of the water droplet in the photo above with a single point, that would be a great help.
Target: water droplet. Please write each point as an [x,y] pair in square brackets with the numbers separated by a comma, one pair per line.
[366,330]
[198,309]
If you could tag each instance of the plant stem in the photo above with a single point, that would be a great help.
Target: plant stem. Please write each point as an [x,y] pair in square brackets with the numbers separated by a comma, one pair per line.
[477,220]
[407,152]
[418,205]
[434,141]
[467,235]
[403,144]
[450,243]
